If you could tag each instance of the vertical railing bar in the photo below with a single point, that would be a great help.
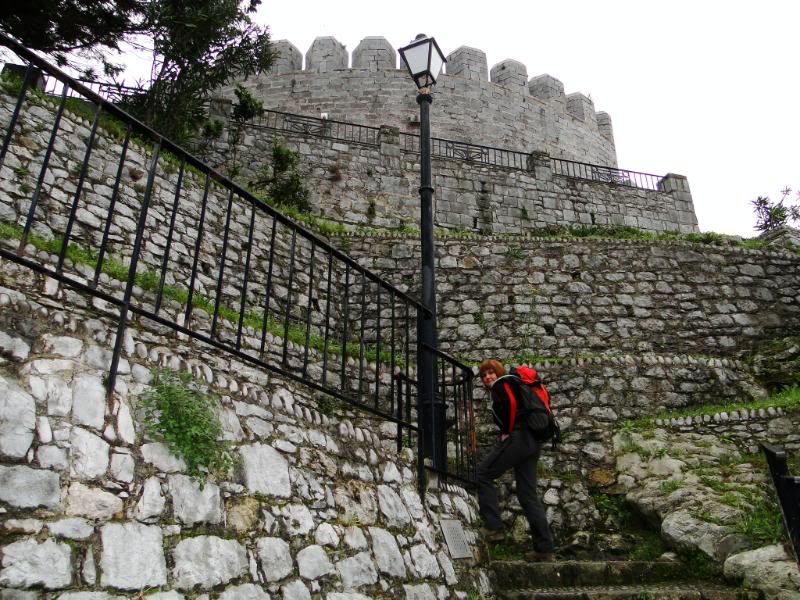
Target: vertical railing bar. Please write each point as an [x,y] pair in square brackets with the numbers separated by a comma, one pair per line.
[78,189]
[23,91]
[225,235]
[289,299]
[361,342]
[170,233]
[189,300]
[114,194]
[308,312]
[345,316]
[246,276]
[45,163]
[399,410]
[327,321]
[137,246]
[268,291]
[393,300]
[378,347]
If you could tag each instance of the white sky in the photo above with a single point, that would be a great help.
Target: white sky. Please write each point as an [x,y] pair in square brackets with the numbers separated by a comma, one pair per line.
[709,89]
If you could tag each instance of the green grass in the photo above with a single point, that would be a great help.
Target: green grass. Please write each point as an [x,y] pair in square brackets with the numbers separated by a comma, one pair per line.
[649,547]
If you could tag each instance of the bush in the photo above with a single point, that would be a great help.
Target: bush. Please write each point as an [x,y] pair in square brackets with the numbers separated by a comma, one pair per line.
[282,181]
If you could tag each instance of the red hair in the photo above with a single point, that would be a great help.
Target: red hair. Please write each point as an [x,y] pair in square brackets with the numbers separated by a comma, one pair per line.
[493,365]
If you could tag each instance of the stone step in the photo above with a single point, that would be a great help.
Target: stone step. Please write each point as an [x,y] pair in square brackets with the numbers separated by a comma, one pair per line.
[673,591]
[521,574]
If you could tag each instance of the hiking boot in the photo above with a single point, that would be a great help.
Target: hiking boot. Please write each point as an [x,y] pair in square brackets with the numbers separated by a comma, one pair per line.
[492,535]
[534,556]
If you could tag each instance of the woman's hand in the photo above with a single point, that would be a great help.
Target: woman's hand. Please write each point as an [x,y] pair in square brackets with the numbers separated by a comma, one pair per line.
[503,437]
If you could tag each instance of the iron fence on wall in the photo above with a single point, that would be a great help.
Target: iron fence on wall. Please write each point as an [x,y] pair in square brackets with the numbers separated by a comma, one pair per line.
[788,489]
[160,236]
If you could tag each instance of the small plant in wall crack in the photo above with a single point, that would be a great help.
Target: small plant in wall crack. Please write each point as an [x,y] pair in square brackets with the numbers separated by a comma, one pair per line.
[185,417]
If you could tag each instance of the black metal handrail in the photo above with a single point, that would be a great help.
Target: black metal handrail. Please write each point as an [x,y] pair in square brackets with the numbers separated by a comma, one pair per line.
[579,170]
[318,127]
[199,254]
[788,490]
[473,153]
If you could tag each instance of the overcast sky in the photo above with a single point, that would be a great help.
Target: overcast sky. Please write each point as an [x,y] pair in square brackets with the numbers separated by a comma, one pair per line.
[705,88]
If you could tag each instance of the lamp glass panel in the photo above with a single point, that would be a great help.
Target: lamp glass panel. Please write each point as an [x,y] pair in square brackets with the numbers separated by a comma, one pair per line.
[437,62]
[417,58]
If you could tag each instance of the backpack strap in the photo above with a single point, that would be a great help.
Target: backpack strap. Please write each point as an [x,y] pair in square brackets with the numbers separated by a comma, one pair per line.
[512,410]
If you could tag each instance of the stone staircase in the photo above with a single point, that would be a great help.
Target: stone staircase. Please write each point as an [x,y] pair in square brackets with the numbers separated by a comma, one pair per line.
[607,580]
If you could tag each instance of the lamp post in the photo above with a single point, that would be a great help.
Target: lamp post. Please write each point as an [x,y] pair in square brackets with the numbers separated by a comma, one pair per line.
[424,61]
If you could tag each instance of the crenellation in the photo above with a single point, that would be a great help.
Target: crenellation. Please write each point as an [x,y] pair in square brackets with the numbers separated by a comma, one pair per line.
[468,63]
[510,73]
[374,54]
[325,55]
[288,58]
[581,107]
[546,87]
[604,125]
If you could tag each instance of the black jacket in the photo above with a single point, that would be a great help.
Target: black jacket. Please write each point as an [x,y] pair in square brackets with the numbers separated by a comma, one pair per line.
[509,402]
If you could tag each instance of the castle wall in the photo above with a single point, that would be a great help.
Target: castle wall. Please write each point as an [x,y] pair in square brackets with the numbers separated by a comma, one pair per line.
[502,112]
[377,185]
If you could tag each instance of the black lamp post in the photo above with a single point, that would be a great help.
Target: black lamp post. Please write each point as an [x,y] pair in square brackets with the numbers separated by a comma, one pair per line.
[424,61]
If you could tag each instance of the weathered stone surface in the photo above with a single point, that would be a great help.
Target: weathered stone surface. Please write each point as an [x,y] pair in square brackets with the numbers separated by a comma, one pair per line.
[88,596]
[325,535]
[92,503]
[766,568]
[206,561]
[357,570]
[27,563]
[387,553]
[392,507]
[28,488]
[52,457]
[73,529]
[88,401]
[354,538]
[422,591]
[151,504]
[297,519]
[132,556]
[17,420]
[14,347]
[424,562]
[313,562]
[265,471]
[191,505]
[275,558]
[125,427]
[246,591]
[296,590]
[242,513]
[717,541]
[158,455]
[122,467]
[346,596]
[88,454]
[63,346]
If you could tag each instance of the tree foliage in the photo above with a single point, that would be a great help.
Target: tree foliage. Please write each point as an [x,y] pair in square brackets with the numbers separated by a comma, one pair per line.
[196,47]
[282,181]
[772,215]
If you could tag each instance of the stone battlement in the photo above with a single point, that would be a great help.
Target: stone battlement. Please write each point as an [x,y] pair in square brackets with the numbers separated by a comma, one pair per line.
[499,107]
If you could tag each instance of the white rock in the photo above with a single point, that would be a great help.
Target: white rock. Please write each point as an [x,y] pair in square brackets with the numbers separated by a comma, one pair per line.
[346,596]
[275,558]
[357,570]
[88,454]
[125,428]
[208,561]
[413,503]
[391,474]
[387,553]
[767,567]
[551,497]
[231,428]
[246,591]
[122,467]
[158,455]
[52,457]
[14,347]
[392,507]
[73,529]
[88,401]
[296,590]
[92,503]
[354,538]
[17,420]
[151,504]
[55,392]
[132,556]
[683,530]
[297,519]
[27,563]
[89,568]
[191,505]
[265,470]
[424,562]
[594,450]
[419,592]
[88,596]
[24,487]
[170,595]
[65,347]
[447,566]
[325,535]
[23,525]
[43,430]
[313,563]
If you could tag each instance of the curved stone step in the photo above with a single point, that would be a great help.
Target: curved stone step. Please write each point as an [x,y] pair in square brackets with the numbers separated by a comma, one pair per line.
[521,574]
[672,591]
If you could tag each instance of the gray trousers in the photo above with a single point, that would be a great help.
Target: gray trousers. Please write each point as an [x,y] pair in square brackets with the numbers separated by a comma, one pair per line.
[519,451]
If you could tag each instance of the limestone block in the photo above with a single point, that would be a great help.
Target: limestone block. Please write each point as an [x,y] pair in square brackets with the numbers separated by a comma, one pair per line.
[422,591]
[546,87]
[296,590]
[275,558]
[447,566]
[151,504]
[346,596]
[24,487]
[122,467]
[580,106]
[424,562]
[313,562]
[88,401]
[297,519]
[288,58]
[325,535]
[354,538]
[374,54]
[717,541]
[191,505]
[468,63]
[132,556]
[357,570]
[767,567]
[27,563]
[71,528]
[14,347]
[265,470]
[387,553]
[246,591]
[326,54]
[17,420]
[510,73]
[88,596]
[92,503]
[63,346]
[392,507]
[158,455]
[206,561]
[88,454]
[605,126]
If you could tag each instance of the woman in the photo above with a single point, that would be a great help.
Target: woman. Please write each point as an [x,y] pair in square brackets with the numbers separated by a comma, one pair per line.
[516,448]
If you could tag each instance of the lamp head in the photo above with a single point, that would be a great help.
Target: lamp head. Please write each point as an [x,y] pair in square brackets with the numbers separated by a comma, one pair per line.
[424,60]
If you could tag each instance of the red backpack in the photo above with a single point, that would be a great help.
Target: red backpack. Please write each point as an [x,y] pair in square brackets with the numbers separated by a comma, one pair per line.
[536,406]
